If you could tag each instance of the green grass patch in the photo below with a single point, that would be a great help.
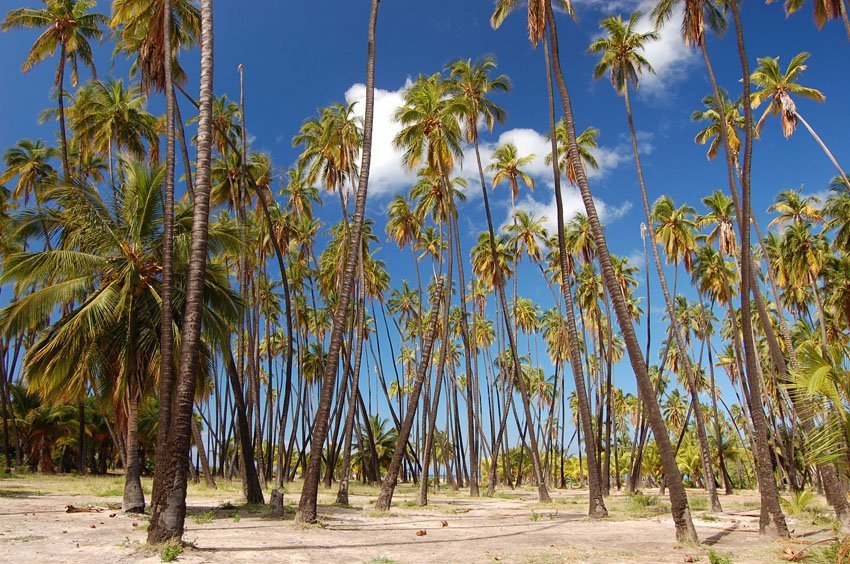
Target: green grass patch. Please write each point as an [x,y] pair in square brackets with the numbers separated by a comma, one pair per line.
[204,518]
[715,558]
[170,551]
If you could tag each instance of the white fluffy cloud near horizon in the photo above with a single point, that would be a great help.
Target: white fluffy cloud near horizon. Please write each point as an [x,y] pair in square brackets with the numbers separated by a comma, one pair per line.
[388,175]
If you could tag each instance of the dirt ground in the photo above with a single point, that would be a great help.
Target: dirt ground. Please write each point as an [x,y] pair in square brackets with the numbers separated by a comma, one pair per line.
[512,527]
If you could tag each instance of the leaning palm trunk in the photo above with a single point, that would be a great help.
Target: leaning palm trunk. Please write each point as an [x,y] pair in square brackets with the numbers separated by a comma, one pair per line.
[310,490]
[60,85]
[167,520]
[596,504]
[209,481]
[385,498]
[826,150]
[705,455]
[678,498]
[342,494]
[441,369]
[770,509]
[471,375]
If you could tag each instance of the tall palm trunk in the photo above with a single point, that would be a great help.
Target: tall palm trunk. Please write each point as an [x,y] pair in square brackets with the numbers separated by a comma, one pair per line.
[342,494]
[596,504]
[708,470]
[441,365]
[60,85]
[391,479]
[166,371]
[310,490]
[826,150]
[134,497]
[771,513]
[542,491]
[209,480]
[678,498]
[167,520]
[471,374]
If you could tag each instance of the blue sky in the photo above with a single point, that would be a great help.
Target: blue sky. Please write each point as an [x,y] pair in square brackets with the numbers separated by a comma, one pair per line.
[299,56]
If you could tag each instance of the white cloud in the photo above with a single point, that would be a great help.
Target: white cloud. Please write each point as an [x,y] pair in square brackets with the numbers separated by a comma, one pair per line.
[668,55]
[573,206]
[387,174]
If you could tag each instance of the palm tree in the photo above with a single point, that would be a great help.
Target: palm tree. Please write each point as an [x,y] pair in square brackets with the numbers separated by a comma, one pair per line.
[331,142]
[309,492]
[108,264]
[431,135]
[539,20]
[506,166]
[68,25]
[169,496]
[776,88]
[107,115]
[792,207]
[472,83]
[620,57]
[587,143]
[716,113]
[29,161]
[141,26]
[822,11]
[678,497]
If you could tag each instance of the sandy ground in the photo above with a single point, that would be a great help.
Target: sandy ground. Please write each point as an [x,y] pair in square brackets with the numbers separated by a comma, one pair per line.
[35,527]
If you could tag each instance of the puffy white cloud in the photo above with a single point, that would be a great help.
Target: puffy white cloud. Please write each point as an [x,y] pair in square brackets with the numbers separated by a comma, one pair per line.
[573,206]
[668,55]
[387,174]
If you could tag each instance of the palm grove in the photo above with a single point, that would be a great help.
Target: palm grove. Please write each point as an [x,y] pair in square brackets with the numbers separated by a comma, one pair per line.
[210,325]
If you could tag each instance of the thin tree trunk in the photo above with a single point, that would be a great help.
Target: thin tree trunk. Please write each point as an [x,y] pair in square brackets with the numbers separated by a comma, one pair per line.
[685,530]
[770,510]
[391,479]
[209,480]
[167,520]
[166,375]
[708,470]
[134,497]
[596,504]
[354,380]
[310,490]
[60,84]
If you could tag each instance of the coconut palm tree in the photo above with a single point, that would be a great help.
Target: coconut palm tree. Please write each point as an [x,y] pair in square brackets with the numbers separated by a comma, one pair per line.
[539,21]
[587,144]
[620,57]
[108,263]
[331,144]
[69,25]
[309,492]
[472,83]
[169,496]
[718,112]
[776,88]
[678,497]
[141,26]
[108,115]
[822,11]
[792,207]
